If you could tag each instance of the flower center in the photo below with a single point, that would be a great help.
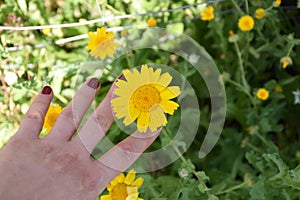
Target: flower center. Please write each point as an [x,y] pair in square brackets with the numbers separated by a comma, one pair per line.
[52,118]
[145,97]
[119,192]
[247,23]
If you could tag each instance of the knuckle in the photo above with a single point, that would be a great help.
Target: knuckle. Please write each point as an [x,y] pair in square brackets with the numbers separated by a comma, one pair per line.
[102,121]
[127,152]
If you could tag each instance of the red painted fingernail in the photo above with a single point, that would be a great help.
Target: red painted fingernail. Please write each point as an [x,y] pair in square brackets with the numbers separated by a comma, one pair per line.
[94,83]
[47,90]
[121,77]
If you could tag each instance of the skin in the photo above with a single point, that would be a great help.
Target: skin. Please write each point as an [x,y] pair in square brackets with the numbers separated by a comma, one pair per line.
[58,167]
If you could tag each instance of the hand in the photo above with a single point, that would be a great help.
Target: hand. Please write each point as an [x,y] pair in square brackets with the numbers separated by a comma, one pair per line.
[57,167]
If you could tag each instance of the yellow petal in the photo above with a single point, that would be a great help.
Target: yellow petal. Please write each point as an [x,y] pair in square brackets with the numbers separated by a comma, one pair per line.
[106,197]
[132,196]
[131,190]
[170,92]
[130,177]
[155,76]
[133,114]
[120,178]
[143,120]
[138,182]
[169,106]
[158,118]
[145,73]
[165,79]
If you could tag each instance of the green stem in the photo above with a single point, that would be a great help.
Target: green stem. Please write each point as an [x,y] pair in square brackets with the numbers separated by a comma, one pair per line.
[237,6]
[244,90]
[268,144]
[232,188]
[165,132]
[241,66]
[247,6]
[290,49]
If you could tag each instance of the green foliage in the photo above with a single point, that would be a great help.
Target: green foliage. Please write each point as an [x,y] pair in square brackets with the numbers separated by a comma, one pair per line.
[257,155]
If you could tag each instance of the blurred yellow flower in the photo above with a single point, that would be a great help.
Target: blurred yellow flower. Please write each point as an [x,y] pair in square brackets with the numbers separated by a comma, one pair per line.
[260,13]
[152,22]
[208,14]
[246,23]
[102,44]
[262,94]
[124,188]
[51,117]
[145,96]
[277,88]
[286,61]
[46,31]
[277,3]
[231,33]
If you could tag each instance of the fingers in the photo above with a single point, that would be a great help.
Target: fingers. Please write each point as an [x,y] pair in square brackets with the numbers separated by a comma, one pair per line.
[69,119]
[121,156]
[33,120]
[97,124]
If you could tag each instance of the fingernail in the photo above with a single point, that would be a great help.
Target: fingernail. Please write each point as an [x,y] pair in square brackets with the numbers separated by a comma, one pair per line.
[121,77]
[94,83]
[47,90]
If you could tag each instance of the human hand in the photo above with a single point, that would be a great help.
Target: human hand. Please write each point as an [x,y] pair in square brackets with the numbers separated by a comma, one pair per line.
[58,167]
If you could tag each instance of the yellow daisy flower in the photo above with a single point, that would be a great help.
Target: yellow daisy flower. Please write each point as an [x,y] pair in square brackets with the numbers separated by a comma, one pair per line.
[260,13]
[46,31]
[286,61]
[208,14]
[277,3]
[145,96]
[152,22]
[262,94]
[102,44]
[246,23]
[124,188]
[51,117]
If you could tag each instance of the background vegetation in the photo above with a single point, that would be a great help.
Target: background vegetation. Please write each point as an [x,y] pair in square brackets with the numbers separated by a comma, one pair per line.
[257,155]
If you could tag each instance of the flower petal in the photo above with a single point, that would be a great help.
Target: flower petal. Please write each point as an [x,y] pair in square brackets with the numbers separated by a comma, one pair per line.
[138,182]
[170,92]
[165,79]
[169,106]
[143,120]
[106,197]
[129,177]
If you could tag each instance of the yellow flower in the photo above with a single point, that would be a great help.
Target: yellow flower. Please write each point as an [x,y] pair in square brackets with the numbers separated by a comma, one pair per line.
[124,188]
[285,61]
[277,3]
[231,33]
[46,31]
[260,13]
[262,94]
[277,88]
[208,14]
[145,96]
[246,23]
[51,117]
[152,22]
[102,44]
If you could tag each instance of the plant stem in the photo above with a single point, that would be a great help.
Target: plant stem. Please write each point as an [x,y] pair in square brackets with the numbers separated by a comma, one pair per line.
[237,6]
[244,90]
[247,6]
[184,160]
[232,188]
[241,66]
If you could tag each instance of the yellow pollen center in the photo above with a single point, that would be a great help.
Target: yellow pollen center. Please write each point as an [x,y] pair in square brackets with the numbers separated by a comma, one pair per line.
[145,97]
[52,118]
[119,192]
